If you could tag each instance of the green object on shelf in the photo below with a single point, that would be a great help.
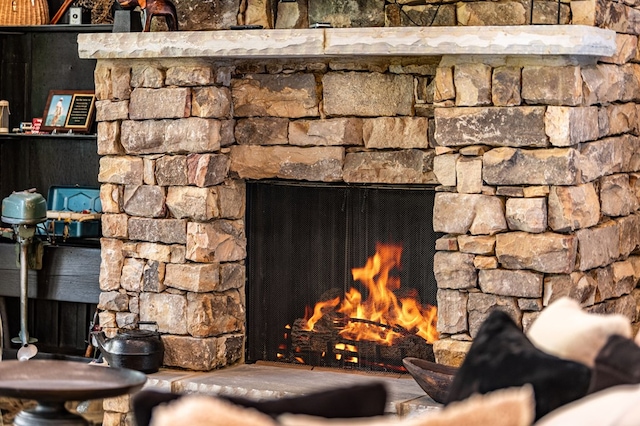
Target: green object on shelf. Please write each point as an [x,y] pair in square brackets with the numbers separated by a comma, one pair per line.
[24,208]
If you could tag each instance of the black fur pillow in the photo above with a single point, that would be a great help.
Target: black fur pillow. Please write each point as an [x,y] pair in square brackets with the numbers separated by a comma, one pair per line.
[617,363]
[501,356]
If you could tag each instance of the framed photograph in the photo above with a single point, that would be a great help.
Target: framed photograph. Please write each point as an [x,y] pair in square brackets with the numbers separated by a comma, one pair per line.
[69,110]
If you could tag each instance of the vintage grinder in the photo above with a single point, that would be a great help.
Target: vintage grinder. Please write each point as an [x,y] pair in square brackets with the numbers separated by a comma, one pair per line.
[24,210]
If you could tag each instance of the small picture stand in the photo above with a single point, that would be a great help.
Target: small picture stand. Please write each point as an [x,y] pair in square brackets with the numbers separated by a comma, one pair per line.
[69,111]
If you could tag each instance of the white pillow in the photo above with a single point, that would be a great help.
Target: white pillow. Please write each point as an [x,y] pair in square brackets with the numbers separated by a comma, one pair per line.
[504,407]
[615,406]
[563,329]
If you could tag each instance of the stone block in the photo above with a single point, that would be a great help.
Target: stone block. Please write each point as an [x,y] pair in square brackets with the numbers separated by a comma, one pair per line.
[198,354]
[153,251]
[168,231]
[124,170]
[485,262]
[505,86]
[422,15]
[616,196]
[147,76]
[514,166]
[494,126]
[603,83]
[473,84]
[293,15]
[114,225]
[193,277]
[108,139]
[277,95]
[444,88]
[480,306]
[102,81]
[328,132]
[205,170]
[568,126]
[484,13]
[552,85]
[348,13]
[367,94]
[576,285]
[629,231]
[477,244]
[454,270]
[395,132]
[131,279]
[111,198]
[405,166]
[447,242]
[598,245]
[546,252]
[450,352]
[503,282]
[232,275]
[262,131]
[111,261]
[189,76]
[153,104]
[213,314]
[171,170]
[469,175]
[322,164]
[171,136]
[112,110]
[211,102]
[452,311]
[621,118]
[120,83]
[200,204]
[573,207]
[444,167]
[144,200]
[462,213]
[232,199]
[113,301]
[527,214]
[219,241]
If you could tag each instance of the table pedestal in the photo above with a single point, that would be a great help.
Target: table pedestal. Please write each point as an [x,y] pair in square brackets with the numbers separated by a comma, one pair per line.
[49,414]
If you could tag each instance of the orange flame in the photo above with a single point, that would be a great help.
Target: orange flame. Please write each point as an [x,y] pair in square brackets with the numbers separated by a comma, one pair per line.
[382,306]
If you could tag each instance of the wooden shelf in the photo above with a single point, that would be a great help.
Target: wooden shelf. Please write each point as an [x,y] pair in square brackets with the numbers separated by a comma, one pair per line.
[60,28]
[58,136]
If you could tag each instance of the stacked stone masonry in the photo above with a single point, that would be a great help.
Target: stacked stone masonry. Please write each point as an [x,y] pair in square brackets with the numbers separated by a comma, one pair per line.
[535,161]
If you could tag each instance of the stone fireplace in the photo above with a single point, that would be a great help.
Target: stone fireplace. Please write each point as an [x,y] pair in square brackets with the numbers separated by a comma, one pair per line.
[527,134]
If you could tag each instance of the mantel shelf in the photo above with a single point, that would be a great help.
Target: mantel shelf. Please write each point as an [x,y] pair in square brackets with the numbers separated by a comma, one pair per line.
[569,40]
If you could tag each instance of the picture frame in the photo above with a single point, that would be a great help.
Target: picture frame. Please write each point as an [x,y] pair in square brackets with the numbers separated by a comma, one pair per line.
[69,111]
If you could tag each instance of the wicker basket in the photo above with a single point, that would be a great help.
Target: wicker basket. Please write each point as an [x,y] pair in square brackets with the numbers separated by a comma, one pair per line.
[24,12]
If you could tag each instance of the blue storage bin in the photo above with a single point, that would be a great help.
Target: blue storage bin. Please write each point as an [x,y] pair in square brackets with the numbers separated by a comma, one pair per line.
[75,199]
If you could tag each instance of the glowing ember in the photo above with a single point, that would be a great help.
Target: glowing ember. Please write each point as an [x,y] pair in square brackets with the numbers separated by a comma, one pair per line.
[383,316]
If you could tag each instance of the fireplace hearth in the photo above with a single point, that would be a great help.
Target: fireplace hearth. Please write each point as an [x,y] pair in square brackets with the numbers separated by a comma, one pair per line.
[336,262]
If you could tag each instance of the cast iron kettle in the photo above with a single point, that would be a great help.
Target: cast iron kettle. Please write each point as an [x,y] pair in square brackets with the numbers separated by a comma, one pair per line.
[140,350]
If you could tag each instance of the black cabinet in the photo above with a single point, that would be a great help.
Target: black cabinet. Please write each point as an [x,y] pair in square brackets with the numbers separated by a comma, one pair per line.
[64,294]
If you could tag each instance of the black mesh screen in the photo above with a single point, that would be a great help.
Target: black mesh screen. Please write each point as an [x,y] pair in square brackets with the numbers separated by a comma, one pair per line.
[304,239]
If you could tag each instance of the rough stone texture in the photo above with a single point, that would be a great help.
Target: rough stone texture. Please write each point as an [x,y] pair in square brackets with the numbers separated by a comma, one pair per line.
[454,270]
[206,170]
[510,283]
[573,207]
[232,275]
[113,301]
[262,131]
[367,94]
[114,225]
[616,196]
[214,314]
[196,15]
[211,102]
[292,95]
[391,132]
[568,126]
[552,85]
[111,261]
[480,306]
[576,285]
[348,13]
[448,242]
[329,132]
[494,126]
[191,134]
[152,104]
[444,167]
[491,13]
[527,214]
[191,353]
[189,76]
[122,170]
[108,139]
[473,84]
[546,252]
[292,15]
[505,86]
[629,231]
[199,204]
[158,230]
[219,241]
[201,277]
[318,163]
[483,244]
[147,76]
[469,175]
[444,87]
[450,352]
[475,213]
[598,245]
[406,166]
[111,198]
[231,199]
[514,166]
[111,111]
[144,200]
[452,311]
[171,170]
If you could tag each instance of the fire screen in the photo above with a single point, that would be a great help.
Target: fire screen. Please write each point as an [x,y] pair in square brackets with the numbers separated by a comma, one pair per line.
[340,275]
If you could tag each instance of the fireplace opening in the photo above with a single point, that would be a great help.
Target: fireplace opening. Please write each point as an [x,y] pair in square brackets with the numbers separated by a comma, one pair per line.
[328,263]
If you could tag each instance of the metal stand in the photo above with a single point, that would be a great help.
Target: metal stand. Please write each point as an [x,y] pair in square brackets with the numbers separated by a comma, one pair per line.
[24,235]
[49,414]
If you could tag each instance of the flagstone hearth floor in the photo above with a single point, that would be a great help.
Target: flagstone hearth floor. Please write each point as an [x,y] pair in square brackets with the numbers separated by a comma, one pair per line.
[269,380]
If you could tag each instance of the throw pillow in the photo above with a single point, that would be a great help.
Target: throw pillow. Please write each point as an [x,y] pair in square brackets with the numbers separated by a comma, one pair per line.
[501,356]
[565,330]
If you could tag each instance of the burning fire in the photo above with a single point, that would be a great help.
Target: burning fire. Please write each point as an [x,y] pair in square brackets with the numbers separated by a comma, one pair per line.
[383,316]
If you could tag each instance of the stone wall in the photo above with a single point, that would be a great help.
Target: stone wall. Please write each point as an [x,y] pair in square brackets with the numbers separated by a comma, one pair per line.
[222,14]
